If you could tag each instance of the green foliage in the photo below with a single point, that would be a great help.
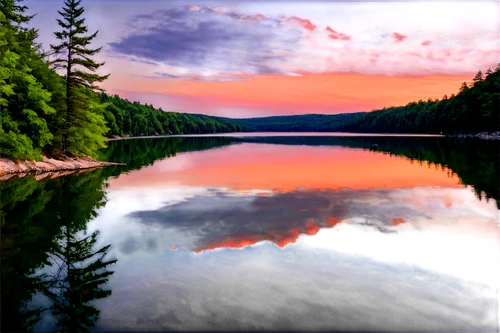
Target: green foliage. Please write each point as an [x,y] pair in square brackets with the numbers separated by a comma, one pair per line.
[299,123]
[88,137]
[126,118]
[474,109]
[24,101]
[83,126]
[14,11]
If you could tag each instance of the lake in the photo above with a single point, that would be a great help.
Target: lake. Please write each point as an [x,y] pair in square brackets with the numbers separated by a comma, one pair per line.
[252,232]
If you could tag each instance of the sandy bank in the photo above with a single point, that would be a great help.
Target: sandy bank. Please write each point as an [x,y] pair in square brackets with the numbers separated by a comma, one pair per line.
[51,165]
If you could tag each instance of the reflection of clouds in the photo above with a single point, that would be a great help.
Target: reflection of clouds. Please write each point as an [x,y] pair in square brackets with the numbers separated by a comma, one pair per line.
[220,219]
[267,289]
[465,236]
[129,238]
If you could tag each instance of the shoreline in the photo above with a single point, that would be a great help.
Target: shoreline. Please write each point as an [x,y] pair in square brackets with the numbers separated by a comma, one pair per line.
[260,134]
[482,136]
[10,168]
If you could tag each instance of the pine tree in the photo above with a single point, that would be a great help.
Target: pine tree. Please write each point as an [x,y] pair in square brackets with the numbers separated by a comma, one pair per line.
[464,87]
[478,77]
[76,59]
[14,12]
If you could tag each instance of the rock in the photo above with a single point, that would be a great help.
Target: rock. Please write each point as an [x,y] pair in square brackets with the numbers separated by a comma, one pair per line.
[49,165]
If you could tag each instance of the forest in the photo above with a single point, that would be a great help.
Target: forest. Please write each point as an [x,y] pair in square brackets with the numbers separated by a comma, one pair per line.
[52,103]
[474,109]
[297,123]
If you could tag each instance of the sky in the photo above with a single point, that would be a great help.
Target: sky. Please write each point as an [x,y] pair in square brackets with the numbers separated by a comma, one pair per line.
[251,58]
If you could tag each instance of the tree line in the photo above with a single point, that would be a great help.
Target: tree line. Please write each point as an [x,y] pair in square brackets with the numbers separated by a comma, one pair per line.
[51,102]
[125,118]
[474,109]
[297,123]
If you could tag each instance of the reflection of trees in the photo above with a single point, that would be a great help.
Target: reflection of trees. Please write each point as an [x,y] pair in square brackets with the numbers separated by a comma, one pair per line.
[80,273]
[475,162]
[41,225]
[24,244]
[137,153]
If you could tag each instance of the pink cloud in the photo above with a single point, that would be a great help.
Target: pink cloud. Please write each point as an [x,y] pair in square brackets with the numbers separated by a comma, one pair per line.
[284,45]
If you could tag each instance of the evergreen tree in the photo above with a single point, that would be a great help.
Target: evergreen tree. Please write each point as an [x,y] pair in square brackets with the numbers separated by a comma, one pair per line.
[75,57]
[464,87]
[478,77]
[24,102]
[14,12]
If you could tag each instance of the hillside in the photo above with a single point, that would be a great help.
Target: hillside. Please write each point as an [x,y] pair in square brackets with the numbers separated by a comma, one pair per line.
[475,109]
[125,118]
[299,123]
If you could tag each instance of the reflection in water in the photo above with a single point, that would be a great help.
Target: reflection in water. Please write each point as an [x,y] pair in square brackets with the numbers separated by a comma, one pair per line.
[41,223]
[257,233]
[216,219]
[475,162]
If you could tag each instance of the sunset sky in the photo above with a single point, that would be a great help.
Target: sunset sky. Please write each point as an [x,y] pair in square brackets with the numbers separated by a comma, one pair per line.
[250,58]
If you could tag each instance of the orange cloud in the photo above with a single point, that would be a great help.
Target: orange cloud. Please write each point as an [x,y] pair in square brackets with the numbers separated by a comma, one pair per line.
[307,24]
[398,37]
[324,93]
[337,35]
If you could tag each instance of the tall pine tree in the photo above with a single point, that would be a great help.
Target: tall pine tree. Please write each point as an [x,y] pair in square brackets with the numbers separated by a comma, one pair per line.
[75,57]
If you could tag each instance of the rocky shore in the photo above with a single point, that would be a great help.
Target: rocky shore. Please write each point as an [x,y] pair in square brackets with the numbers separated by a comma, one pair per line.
[49,165]
[483,135]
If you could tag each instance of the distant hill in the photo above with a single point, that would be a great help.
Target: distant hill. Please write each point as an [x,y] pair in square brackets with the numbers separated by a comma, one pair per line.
[298,123]
[474,109]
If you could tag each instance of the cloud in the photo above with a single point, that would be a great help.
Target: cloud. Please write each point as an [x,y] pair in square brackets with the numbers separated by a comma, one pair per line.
[202,43]
[379,29]
[226,220]
[159,75]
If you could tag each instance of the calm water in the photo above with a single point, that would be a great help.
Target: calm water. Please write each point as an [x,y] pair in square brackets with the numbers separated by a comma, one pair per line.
[259,233]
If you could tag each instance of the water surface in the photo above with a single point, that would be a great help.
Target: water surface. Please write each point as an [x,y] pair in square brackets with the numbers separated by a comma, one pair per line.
[273,232]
